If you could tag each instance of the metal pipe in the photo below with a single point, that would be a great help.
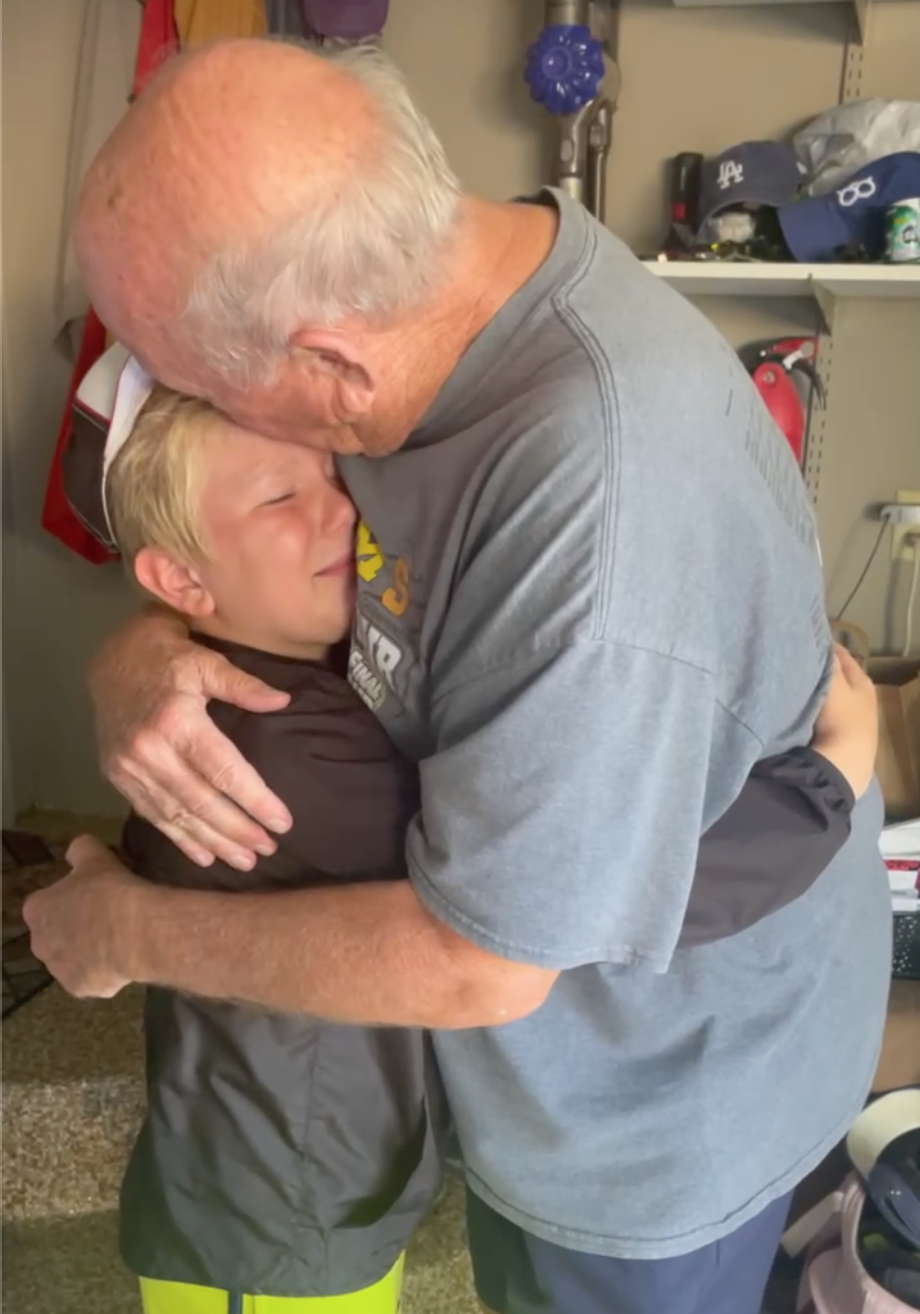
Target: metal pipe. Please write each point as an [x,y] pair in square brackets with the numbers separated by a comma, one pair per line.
[572,151]
[599,133]
[568,12]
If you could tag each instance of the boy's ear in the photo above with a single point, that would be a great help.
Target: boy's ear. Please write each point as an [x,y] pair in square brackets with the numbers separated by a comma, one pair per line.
[173,582]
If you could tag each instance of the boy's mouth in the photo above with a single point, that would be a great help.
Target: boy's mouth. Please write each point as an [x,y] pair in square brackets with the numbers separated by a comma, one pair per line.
[344,565]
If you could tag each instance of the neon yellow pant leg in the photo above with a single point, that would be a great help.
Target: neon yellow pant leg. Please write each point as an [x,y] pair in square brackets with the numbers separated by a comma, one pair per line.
[180,1298]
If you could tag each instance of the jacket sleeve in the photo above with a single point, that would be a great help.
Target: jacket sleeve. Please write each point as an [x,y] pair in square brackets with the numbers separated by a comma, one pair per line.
[785,828]
[150,854]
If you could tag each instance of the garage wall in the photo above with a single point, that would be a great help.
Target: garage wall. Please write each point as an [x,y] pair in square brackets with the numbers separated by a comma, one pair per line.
[692,79]
[55,607]
[871,431]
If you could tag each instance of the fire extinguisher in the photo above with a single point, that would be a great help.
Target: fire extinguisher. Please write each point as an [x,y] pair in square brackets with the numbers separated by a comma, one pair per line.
[785,375]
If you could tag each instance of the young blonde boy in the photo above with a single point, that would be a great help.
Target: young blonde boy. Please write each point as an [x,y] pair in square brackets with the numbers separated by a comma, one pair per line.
[284,1161]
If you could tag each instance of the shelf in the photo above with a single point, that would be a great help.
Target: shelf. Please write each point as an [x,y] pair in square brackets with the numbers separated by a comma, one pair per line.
[826,283]
[860,8]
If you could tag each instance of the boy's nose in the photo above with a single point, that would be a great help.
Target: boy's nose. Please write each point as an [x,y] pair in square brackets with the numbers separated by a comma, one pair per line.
[341,513]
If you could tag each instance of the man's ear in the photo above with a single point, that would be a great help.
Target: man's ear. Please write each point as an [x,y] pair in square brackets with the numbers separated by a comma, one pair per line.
[173,582]
[340,358]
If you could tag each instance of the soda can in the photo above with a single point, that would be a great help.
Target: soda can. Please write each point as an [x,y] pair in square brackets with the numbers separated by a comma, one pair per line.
[902,231]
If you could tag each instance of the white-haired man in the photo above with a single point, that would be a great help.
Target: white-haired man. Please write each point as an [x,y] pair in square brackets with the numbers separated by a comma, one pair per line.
[589,602]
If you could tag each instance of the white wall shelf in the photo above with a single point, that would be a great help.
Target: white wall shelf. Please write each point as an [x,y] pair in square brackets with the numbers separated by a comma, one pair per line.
[860,8]
[826,283]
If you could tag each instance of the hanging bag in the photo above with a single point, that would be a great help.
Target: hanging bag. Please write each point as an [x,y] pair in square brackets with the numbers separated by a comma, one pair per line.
[157,40]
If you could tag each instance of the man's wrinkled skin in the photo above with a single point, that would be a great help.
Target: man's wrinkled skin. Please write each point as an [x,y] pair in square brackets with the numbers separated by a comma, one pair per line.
[145,744]
[101,929]
[98,970]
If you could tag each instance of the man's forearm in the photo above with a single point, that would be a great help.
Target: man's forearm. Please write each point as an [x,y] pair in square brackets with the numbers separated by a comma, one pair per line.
[368,953]
[154,621]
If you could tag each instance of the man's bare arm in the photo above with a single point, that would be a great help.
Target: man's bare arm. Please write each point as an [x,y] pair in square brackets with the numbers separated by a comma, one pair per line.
[368,953]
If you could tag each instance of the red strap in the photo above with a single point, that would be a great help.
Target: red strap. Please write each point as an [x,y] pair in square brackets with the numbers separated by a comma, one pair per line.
[158,38]
[57,517]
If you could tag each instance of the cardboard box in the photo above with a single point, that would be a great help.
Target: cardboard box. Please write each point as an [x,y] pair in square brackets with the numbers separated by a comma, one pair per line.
[898,764]
[899,1061]
[898,1065]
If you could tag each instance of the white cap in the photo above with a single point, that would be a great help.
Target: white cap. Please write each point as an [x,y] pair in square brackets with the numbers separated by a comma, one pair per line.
[105,410]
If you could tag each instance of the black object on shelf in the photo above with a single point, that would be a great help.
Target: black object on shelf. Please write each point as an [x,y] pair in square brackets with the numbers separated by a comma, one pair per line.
[906,946]
[683,199]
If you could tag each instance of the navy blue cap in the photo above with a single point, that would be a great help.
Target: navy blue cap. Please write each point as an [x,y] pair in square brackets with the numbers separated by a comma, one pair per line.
[815,228]
[752,174]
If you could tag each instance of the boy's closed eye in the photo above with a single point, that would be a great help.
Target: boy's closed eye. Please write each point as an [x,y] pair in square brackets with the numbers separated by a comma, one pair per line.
[279,498]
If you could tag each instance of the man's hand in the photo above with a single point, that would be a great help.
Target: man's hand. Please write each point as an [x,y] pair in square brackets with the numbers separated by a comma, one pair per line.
[846,731]
[81,925]
[161,750]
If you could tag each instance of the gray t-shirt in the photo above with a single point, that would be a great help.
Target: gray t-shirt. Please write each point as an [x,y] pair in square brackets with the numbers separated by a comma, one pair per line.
[590,601]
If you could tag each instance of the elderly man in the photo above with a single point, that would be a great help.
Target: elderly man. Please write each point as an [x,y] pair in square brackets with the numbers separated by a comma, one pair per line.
[589,602]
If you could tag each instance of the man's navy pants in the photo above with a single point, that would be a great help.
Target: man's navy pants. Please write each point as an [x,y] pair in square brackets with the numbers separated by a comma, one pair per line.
[517,1273]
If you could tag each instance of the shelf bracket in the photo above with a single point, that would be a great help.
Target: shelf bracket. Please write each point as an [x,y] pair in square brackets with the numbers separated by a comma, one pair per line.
[827,303]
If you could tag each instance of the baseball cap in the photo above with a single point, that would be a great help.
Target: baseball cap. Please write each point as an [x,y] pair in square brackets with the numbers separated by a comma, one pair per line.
[753,173]
[105,410]
[817,226]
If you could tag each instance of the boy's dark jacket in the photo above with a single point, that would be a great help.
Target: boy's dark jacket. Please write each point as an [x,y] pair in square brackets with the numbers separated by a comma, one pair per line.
[284,1155]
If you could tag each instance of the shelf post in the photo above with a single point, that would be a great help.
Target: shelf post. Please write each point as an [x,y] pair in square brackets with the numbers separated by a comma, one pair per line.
[827,302]
[862,10]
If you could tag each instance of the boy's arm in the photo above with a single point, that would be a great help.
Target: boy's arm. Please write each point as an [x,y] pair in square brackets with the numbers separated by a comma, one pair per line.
[785,828]
[791,818]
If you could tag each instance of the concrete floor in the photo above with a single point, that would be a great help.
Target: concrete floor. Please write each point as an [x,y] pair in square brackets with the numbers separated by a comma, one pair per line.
[72,1100]
[72,1096]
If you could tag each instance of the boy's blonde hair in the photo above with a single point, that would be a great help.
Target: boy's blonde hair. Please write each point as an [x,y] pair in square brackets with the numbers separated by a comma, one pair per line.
[153,486]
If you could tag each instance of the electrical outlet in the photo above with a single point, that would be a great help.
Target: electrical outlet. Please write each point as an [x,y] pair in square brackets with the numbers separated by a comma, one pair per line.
[901,549]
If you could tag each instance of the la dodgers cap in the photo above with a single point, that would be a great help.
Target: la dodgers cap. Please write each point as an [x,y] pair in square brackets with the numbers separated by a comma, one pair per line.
[751,174]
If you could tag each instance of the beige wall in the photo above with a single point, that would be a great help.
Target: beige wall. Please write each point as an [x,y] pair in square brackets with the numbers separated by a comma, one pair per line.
[871,431]
[692,79]
[55,607]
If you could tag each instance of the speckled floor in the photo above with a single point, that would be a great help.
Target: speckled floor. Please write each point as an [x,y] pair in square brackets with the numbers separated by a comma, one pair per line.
[71,1100]
[72,1097]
